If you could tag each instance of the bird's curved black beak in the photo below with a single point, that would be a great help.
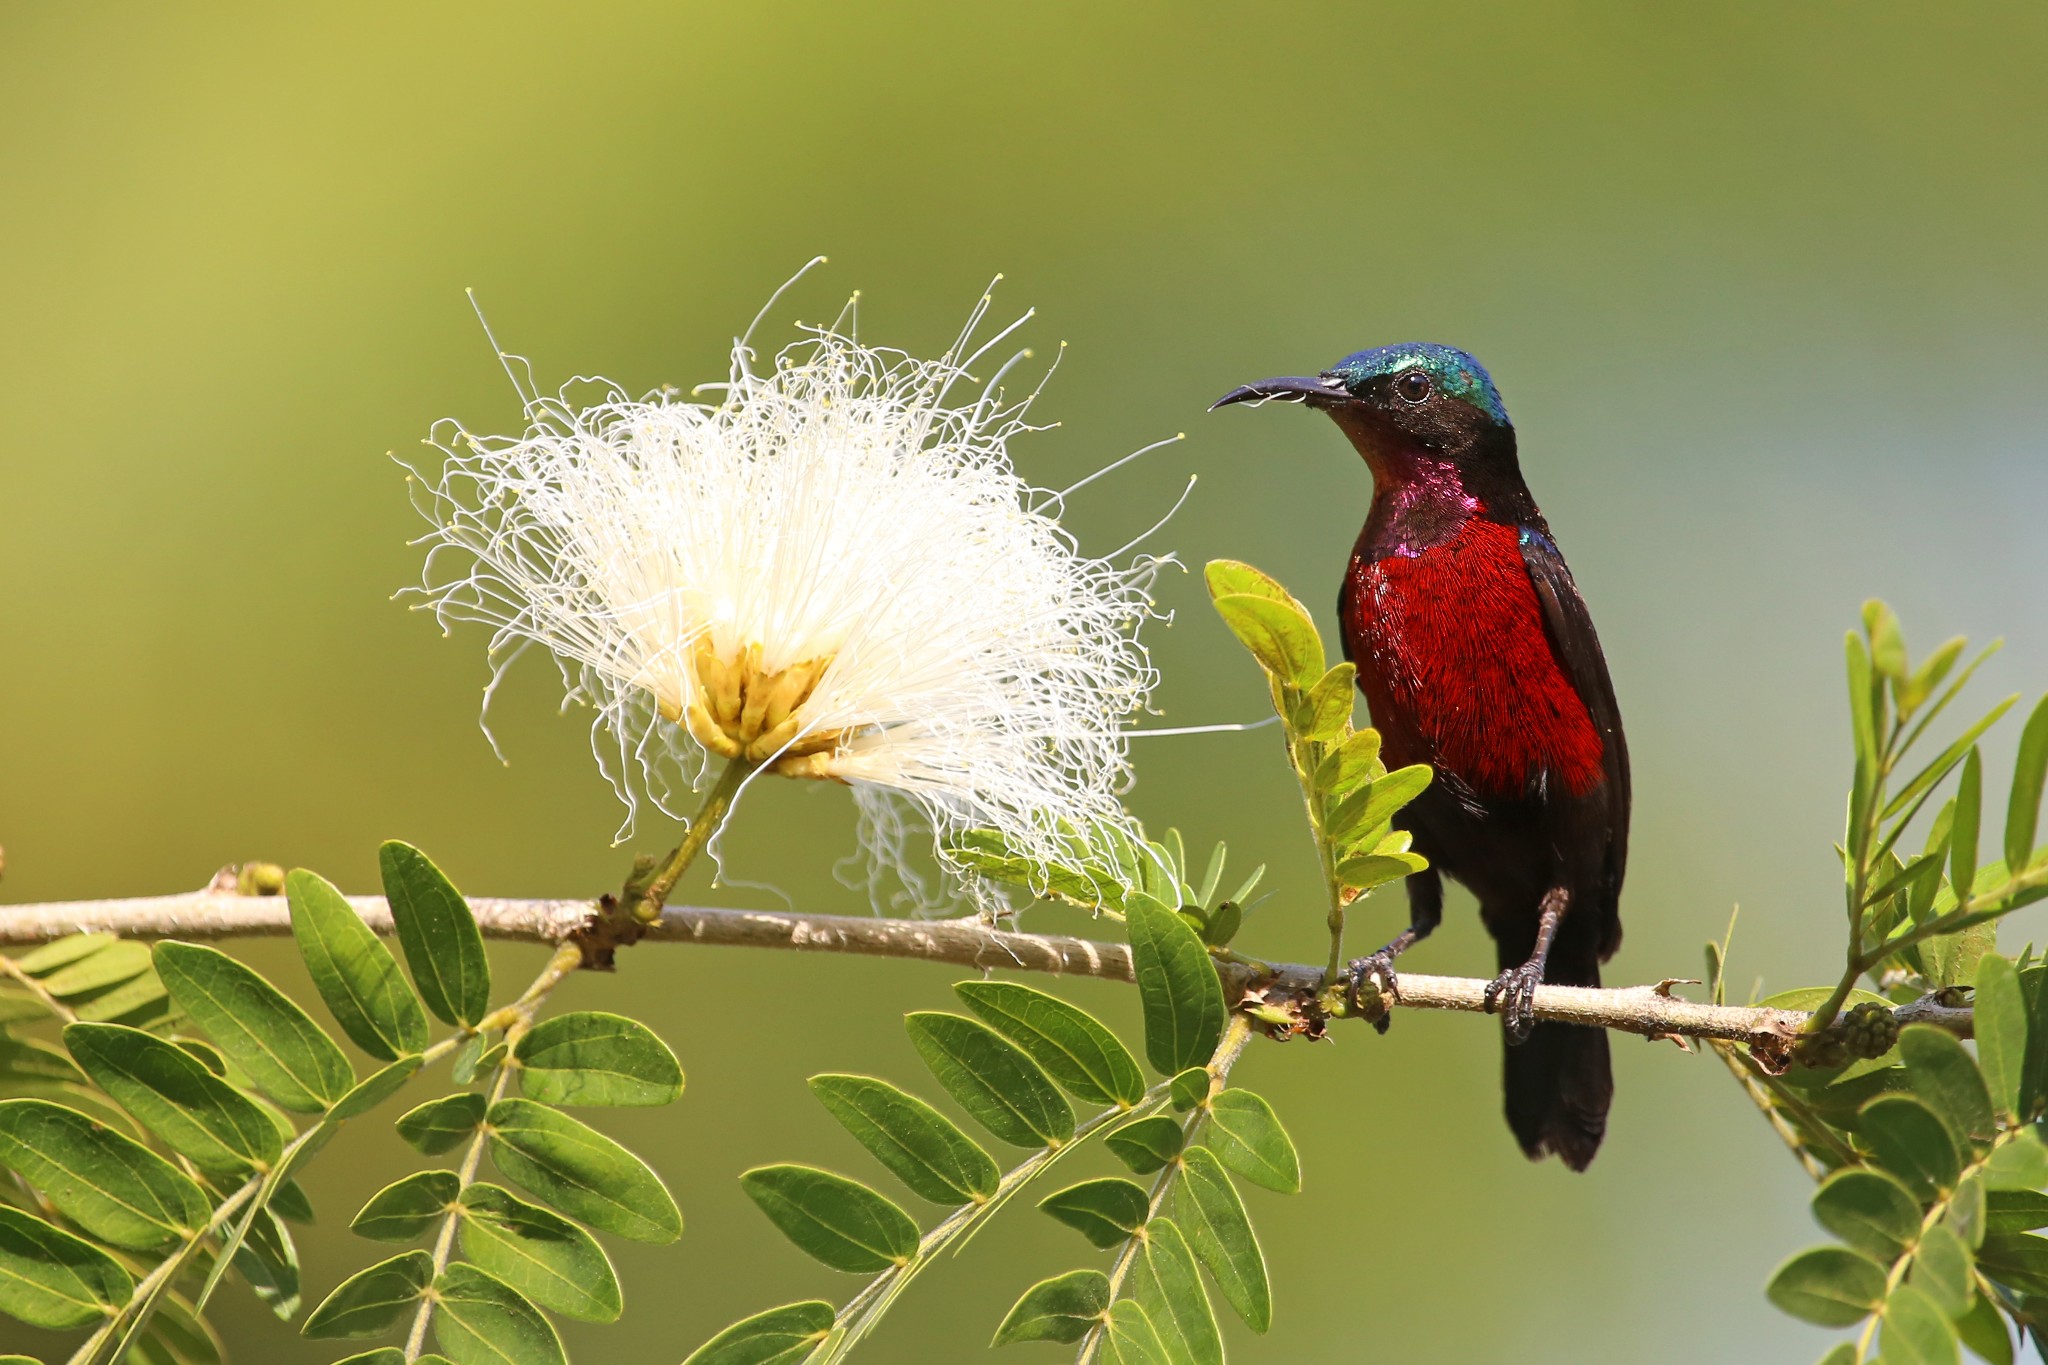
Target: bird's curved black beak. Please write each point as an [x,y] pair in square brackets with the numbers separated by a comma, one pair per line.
[1315,392]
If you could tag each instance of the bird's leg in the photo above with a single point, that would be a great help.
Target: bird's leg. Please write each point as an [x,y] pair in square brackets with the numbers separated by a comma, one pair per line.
[1514,990]
[1425,912]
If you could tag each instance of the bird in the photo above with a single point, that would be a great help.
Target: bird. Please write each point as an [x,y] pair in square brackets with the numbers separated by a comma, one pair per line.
[1477,656]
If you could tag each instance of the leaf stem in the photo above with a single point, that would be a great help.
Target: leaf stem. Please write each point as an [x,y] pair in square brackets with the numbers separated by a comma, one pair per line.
[1228,1049]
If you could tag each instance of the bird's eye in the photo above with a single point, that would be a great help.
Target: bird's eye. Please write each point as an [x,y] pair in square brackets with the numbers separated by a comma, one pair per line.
[1412,385]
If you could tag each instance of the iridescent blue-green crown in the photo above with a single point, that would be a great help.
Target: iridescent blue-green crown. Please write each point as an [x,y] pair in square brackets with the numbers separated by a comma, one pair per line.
[1449,368]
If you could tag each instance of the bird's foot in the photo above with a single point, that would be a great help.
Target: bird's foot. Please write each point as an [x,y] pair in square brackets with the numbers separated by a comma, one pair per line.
[1512,995]
[1370,986]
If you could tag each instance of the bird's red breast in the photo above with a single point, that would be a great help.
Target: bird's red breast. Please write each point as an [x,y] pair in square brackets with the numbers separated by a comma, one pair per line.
[1458,670]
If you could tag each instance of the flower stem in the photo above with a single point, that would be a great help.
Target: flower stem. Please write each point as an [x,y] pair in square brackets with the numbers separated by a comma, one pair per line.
[705,823]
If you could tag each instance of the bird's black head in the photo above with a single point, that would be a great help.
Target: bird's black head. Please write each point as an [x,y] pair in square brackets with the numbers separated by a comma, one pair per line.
[1409,409]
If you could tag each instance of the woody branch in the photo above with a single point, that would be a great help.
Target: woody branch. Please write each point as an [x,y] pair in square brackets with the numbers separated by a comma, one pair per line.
[1652,1011]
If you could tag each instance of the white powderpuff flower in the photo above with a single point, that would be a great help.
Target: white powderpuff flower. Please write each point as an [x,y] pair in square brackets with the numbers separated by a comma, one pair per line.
[833,573]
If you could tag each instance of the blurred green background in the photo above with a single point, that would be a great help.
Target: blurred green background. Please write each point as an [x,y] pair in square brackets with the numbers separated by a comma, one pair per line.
[1762,284]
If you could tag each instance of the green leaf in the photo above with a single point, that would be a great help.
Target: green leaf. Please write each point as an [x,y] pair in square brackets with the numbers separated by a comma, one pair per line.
[1983,1331]
[2001,1030]
[442,944]
[1131,1338]
[1224,577]
[40,962]
[1946,1077]
[2029,774]
[173,1095]
[374,1300]
[1945,764]
[1942,1269]
[186,1338]
[1870,1210]
[1911,1142]
[2015,1210]
[111,1186]
[1864,701]
[1177,986]
[1148,1144]
[51,1279]
[992,1080]
[1164,1279]
[780,1336]
[581,1172]
[2018,1164]
[283,1051]
[1351,764]
[2016,1259]
[1326,708]
[20,1007]
[441,1125]
[1106,1211]
[1369,870]
[1843,1353]
[1247,1137]
[920,1146]
[542,1255]
[270,1263]
[1216,1225]
[1363,812]
[290,1203]
[838,1221]
[1924,679]
[1887,644]
[110,965]
[1062,1308]
[375,1088]
[480,1320]
[1278,634]
[988,853]
[1966,1215]
[1190,1087]
[1828,1286]
[590,1057]
[382,1355]
[353,971]
[1073,1047]
[1962,837]
[31,1060]
[1916,1331]
[407,1208]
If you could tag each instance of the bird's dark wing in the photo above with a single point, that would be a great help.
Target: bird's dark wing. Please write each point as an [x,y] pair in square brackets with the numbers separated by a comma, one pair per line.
[1570,627]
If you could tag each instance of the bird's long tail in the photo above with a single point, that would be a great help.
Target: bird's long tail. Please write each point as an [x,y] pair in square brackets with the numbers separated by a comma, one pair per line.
[1559,1084]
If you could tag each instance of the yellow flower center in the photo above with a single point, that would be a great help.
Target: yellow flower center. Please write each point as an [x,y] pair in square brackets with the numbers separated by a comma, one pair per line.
[743,711]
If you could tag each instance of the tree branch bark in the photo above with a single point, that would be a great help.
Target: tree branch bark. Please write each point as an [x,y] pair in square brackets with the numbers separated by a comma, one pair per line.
[1651,1011]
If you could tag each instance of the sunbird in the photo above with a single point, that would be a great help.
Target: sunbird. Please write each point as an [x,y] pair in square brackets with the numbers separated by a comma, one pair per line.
[1477,656]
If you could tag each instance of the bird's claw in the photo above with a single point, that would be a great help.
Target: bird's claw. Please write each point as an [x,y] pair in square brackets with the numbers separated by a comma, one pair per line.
[1512,995]
[1378,970]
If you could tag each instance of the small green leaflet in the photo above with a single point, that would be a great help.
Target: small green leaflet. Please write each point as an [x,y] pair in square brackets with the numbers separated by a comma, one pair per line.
[780,1336]
[593,1058]
[1214,1220]
[838,1221]
[1177,985]
[542,1255]
[51,1279]
[442,944]
[441,1125]
[920,1146]
[480,1320]
[1062,1308]
[353,971]
[581,1172]
[283,1051]
[374,1300]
